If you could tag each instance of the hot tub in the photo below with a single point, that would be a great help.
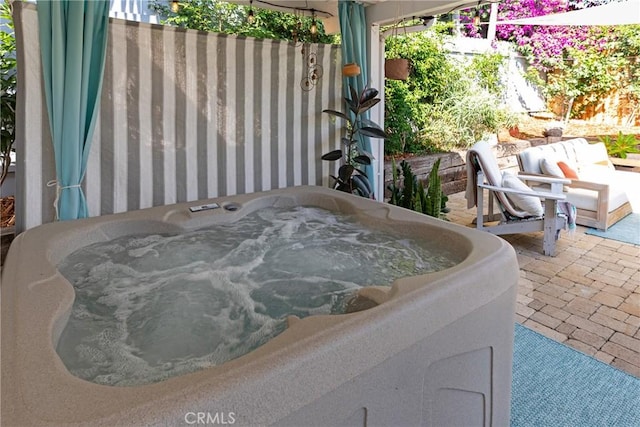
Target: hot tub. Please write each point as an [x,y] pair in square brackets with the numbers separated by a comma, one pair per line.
[435,350]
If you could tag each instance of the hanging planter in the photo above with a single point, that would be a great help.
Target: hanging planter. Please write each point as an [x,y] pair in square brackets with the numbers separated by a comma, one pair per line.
[397,68]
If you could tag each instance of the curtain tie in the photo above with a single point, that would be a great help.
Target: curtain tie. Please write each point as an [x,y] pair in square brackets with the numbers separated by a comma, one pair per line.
[54,183]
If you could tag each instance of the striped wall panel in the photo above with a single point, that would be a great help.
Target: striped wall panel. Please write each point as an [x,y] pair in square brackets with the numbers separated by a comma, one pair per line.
[184,115]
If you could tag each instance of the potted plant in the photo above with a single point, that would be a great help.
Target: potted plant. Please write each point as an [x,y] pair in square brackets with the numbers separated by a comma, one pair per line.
[352,179]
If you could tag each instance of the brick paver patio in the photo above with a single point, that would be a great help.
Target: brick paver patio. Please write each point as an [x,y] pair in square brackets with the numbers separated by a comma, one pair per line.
[587,296]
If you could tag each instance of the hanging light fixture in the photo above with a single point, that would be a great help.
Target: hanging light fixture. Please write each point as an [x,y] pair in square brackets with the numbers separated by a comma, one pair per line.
[476,17]
[314,27]
[250,16]
[175,6]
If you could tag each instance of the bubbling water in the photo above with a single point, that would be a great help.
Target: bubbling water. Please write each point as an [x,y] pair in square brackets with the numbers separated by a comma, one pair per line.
[151,307]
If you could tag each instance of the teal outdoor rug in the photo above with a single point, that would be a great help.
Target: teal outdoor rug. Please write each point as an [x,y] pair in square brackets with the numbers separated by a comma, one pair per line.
[555,385]
[626,230]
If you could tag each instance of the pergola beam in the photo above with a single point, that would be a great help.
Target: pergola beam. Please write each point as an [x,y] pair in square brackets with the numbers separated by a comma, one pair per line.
[391,11]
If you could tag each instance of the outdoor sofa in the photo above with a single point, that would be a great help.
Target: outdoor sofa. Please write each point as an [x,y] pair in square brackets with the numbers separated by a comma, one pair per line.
[601,194]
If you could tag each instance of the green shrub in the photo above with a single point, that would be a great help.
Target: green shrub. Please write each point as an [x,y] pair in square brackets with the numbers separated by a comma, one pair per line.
[402,118]
[486,68]
[621,146]
[406,102]
[445,103]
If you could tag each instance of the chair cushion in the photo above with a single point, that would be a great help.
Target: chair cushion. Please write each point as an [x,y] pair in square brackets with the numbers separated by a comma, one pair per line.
[567,171]
[530,204]
[550,167]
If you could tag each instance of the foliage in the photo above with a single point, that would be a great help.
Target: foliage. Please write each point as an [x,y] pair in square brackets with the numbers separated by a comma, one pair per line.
[467,17]
[229,18]
[543,46]
[488,67]
[7,88]
[403,117]
[412,194]
[627,43]
[405,101]
[444,103]
[465,118]
[621,146]
[586,75]
[434,202]
[402,196]
[350,178]
[579,64]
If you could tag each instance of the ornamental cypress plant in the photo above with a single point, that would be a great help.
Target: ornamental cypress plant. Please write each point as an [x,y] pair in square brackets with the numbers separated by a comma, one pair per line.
[412,194]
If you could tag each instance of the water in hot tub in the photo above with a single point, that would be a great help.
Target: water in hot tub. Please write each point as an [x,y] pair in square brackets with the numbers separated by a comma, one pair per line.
[151,307]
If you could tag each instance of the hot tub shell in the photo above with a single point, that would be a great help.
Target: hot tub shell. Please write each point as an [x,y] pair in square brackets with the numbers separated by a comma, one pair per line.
[436,351]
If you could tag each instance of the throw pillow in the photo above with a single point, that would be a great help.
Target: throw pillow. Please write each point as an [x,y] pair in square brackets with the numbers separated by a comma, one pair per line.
[567,171]
[550,167]
[529,204]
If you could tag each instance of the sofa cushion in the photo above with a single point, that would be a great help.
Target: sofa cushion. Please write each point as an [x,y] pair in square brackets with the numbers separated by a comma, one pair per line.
[620,184]
[588,199]
[550,167]
[566,151]
[529,204]
[593,154]
[567,170]
[592,164]
[604,175]
[630,183]
[598,173]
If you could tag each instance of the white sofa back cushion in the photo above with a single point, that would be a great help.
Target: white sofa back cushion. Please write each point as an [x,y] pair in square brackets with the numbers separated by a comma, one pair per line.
[576,152]
[566,151]
[593,155]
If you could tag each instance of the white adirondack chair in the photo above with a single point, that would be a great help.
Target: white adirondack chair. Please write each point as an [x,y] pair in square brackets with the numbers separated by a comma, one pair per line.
[484,173]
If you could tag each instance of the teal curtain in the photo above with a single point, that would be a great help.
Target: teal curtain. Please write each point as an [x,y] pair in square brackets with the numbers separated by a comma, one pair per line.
[353,29]
[73,41]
